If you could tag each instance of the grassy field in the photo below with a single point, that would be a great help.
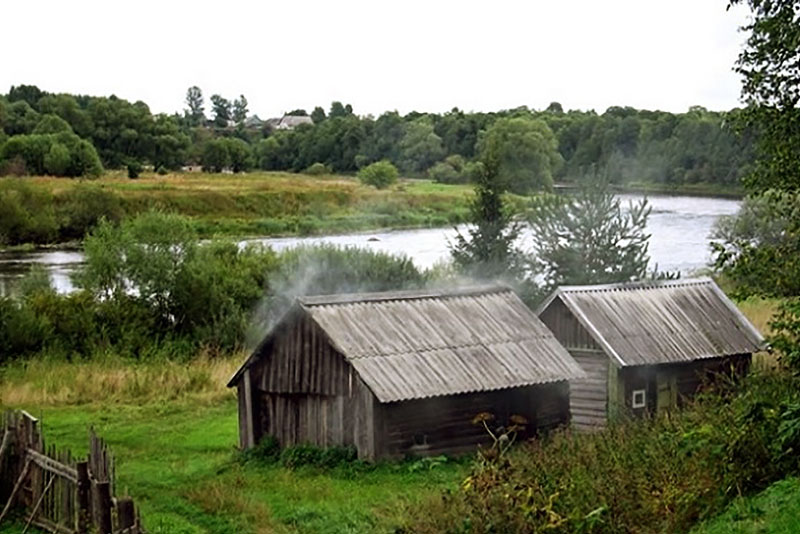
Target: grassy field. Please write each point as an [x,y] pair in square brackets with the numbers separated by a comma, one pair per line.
[776,510]
[173,429]
[277,203]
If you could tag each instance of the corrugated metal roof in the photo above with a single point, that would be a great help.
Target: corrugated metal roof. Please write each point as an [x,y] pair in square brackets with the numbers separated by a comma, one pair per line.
[411,345]
[416,344]
[661,322]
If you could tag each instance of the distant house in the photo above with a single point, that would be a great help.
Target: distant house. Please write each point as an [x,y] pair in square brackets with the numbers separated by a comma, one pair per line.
[402,372]
[290,122]
[253,122]
[648,346]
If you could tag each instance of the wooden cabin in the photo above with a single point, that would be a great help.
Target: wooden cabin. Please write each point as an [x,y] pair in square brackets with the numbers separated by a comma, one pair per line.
[647,346]
[402,372]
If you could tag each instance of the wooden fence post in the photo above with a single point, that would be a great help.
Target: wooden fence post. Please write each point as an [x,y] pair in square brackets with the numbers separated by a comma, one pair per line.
[102,507]
[83,497]
[126,514]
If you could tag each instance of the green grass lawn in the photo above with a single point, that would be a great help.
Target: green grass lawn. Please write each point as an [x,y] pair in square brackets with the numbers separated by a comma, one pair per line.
[775,510]
[179,462]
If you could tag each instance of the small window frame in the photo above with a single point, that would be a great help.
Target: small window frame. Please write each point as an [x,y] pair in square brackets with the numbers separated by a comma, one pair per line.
[639,399]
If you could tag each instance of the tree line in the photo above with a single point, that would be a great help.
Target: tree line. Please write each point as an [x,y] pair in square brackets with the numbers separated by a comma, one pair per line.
[81,135]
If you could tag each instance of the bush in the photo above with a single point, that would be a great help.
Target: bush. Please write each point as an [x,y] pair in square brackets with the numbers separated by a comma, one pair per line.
[134,169]
[162,171]
[27,214]
[57,160]
[453,170]
[80,209]
[658,475]
[300,455]
[380,174]
[318,169]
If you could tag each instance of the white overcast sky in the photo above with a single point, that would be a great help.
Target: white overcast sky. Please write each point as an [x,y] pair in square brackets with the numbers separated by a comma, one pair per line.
[406,55]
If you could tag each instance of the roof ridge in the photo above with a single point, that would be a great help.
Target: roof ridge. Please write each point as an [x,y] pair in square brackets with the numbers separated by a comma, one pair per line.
[397,295]
[642,284]
[545,336]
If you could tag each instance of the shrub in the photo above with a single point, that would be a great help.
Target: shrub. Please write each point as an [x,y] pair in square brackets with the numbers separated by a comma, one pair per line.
[161,171]
[134,169]
[57,160]
[80,209]
[453,170]
[215,156]
[300,455]
[380,174]
[318,169]
[27,214]
[658,475]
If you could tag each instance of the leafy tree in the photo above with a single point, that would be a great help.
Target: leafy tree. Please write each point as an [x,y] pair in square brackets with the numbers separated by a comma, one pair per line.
[420,147]
[588,238]
[769,64]
[20,118]
[194,101]
[216,157]
[240,110]
[380,174]
[758,247]
[490,251]
[25,93]
[318,115]
[297,113]
[527,153]
[49,124]
[337,110]
[221,108]
[555,107]
[239,154]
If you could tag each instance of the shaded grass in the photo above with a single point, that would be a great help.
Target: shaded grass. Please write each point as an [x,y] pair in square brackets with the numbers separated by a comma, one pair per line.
[775,510]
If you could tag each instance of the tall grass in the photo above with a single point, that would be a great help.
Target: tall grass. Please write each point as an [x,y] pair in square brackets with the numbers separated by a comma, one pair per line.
[57,382]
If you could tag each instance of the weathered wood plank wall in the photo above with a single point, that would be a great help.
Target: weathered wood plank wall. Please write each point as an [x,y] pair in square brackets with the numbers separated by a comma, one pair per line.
[588,398]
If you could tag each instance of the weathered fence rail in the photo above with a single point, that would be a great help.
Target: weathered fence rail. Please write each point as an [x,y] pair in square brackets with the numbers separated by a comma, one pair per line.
[56,491]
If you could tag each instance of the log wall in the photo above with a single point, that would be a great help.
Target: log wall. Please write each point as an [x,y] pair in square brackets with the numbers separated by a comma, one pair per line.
[588,398]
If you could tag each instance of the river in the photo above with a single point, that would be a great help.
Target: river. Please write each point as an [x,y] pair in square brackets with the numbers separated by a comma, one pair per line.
[679,226]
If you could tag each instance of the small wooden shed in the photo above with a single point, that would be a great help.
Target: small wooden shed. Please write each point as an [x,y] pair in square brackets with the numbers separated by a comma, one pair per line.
[646,346]
[402,372]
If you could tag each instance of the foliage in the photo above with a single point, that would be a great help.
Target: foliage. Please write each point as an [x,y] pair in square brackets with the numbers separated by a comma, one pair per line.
[785,338]
[490,251]
[758,248]
[63,154]
[453,170]
[775,510]
[28,214]
[318,169]
[330,457]
[419,147]
[527,152]
[588,238]
[221,108]
[380,174]
[194,101]
[657,475]
[768,64]
[134,169]
[239,110]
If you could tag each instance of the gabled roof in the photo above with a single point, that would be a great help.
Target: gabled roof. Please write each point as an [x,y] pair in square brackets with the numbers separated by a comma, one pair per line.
[417,344]
[661,321]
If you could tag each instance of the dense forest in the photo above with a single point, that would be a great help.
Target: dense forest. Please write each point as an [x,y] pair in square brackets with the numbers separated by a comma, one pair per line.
[76,135]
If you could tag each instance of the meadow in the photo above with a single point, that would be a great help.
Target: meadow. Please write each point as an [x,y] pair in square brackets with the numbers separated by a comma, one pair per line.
[46,210]
[173,428]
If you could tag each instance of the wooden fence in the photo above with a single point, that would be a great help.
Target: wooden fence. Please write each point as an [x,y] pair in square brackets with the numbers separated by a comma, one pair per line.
[55,491]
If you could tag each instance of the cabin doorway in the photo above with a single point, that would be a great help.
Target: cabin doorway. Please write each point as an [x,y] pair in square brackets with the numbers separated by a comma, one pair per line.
[666,392]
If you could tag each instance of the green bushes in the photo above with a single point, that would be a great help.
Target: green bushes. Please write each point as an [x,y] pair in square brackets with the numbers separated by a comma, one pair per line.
[380,174]
[227,153]
[644,476]
[318,169]
[57,154]
[149,287]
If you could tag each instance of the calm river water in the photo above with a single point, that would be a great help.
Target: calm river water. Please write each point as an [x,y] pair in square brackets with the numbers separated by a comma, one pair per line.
[679,225]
